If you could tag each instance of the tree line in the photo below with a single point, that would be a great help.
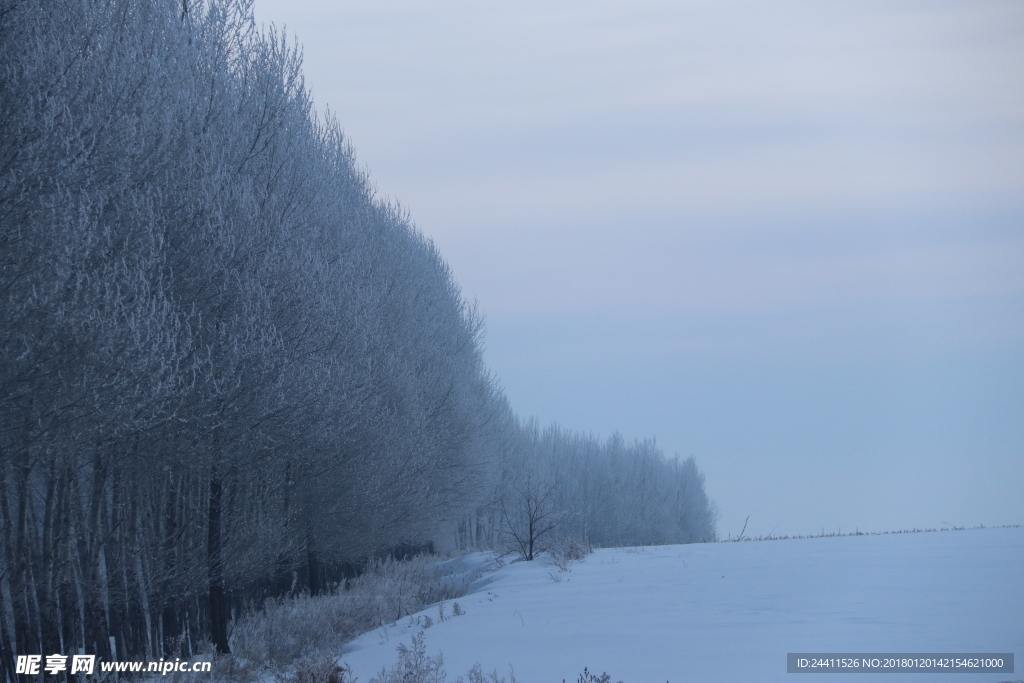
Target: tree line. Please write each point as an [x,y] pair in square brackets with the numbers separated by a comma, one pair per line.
[228,367]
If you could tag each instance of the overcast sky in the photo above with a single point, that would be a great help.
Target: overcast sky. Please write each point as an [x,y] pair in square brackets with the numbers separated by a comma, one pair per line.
[786,238]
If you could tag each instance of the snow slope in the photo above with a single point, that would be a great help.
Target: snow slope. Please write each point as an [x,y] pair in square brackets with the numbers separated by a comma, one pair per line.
[731,611]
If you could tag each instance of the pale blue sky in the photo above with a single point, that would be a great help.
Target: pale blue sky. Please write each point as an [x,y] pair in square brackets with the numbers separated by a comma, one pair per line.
[786,238]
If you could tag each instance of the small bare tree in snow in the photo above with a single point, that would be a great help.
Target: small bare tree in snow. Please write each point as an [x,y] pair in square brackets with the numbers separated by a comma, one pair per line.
[528,515]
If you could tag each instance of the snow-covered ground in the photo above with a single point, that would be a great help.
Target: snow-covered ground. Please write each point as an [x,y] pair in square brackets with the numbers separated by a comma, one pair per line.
[731,611]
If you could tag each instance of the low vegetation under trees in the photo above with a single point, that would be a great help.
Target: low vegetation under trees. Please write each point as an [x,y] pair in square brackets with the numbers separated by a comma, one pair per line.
[228,371]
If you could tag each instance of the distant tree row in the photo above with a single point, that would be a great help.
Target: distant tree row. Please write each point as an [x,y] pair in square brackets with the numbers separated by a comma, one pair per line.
[227,367]
[553,483]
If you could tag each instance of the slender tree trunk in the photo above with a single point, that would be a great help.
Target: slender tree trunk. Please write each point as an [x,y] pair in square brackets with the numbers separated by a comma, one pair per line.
[90,548]
[6,654]
[67,596]
[116,556]
[169,617]
[312,565]
[282,570]
[25,635]
[529,556]
[45,569]
[137,628]
[218,600]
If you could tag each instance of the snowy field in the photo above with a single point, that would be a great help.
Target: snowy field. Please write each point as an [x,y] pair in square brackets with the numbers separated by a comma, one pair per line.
[731,611]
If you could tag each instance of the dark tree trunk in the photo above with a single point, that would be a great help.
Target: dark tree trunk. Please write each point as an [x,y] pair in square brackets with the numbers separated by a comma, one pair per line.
[218,600]
[25,636]
[169,618]
[117,589]
[96,630]
[44,563]
[312,565]
[6,654]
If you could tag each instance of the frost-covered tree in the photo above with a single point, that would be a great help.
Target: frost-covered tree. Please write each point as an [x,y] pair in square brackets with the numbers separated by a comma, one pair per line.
[223,357]
[556,483]
[227,368]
